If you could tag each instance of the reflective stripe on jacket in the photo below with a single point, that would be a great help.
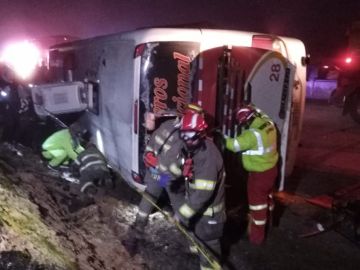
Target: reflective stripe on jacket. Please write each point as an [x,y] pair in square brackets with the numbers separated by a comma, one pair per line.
[205,194]
[166,144]
[62,140]
[91,159]
[258,145]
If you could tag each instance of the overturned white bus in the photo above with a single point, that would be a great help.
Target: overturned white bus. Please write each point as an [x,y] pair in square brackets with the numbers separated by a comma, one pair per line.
[115,79]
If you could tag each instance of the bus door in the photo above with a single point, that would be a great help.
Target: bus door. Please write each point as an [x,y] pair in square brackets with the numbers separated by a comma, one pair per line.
[268,85]
[223,72]
[233,76]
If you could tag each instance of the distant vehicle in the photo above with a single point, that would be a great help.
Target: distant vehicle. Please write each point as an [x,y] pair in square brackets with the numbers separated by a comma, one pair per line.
[348,90]
[322,80]
[115,79]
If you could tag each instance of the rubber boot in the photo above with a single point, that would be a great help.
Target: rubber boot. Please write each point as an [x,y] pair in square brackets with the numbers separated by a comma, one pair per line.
[134,235]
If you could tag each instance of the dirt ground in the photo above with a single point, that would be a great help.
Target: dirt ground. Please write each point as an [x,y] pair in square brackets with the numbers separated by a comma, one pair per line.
[91,237]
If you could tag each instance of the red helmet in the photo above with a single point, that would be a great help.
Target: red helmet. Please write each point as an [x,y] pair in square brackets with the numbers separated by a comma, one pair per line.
[192,126]
[245,114]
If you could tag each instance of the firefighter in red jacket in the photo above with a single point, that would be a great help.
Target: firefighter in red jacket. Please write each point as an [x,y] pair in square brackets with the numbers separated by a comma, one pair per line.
[258,146]
[202,208]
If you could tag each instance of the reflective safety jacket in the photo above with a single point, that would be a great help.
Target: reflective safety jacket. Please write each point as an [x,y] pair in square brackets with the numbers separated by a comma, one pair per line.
[166,143]
[92,167]
[258,145]
[62,139]
[205,194]
[90,160]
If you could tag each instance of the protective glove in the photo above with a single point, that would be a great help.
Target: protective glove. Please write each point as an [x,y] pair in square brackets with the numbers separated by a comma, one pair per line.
[164,179]
[154,173]
[150,160]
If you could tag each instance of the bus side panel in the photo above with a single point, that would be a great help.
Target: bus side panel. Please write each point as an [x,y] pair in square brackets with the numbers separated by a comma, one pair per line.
[271,83]
[296,51]
[267,80]
[108,65]
[114,124]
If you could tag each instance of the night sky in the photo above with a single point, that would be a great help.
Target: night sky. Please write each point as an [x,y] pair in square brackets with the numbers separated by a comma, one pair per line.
[320,24]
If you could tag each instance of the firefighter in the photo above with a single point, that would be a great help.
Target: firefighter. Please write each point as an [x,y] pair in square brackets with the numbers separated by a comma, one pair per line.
[92,169]
[202,208]
[161,161]
[163,170]
[257,144]
[63,146]
[91,166]
[160,153]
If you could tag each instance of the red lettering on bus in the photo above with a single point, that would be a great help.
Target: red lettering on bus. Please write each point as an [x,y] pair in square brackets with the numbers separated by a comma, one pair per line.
[183,81]
[181,57]
[160,94]
[160,82]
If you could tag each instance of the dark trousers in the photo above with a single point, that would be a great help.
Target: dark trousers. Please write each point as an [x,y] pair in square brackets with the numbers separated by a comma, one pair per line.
[209,230]
[175,191]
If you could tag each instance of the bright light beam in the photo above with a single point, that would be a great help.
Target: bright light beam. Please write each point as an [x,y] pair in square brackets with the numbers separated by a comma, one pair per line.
[348,60]
[22,57]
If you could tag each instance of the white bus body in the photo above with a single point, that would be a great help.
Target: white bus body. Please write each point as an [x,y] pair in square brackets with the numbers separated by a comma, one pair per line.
[123,75]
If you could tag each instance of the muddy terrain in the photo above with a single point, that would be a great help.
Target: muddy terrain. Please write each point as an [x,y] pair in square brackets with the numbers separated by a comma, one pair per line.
[44,227]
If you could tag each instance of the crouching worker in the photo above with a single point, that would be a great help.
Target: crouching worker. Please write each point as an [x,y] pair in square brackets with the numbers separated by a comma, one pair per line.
[63,146]
[93,172]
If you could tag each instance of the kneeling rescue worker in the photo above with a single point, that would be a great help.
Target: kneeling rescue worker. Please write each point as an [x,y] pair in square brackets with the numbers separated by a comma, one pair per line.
[92,167]
[63,146]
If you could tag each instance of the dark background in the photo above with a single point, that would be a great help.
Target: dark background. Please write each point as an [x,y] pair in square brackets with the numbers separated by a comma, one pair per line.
[320,24]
